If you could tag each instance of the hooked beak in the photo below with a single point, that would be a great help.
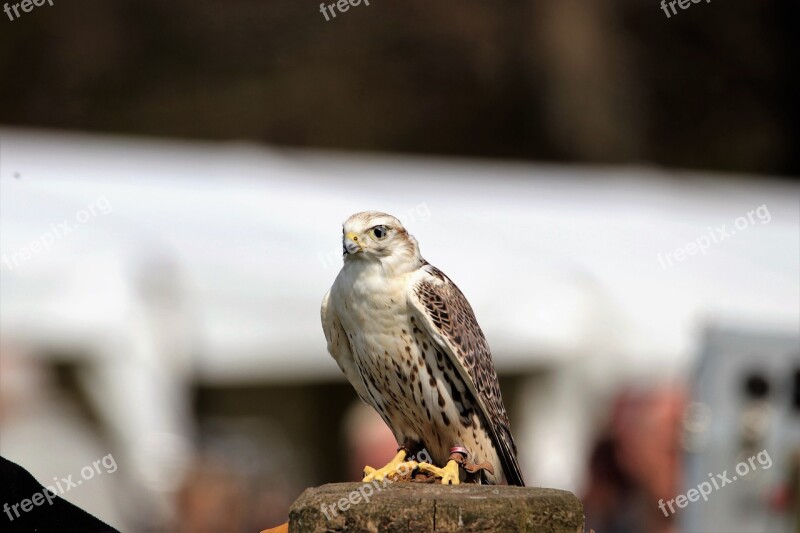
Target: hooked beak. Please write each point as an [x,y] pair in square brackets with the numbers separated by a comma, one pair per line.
[350,244]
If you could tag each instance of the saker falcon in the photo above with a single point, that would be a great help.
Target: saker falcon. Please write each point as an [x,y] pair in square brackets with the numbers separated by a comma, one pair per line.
[408,342]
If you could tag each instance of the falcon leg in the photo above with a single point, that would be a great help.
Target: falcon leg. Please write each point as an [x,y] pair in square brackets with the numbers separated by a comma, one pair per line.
[397,466]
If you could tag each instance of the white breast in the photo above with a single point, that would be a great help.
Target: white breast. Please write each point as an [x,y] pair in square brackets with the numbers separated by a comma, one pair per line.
[372,308]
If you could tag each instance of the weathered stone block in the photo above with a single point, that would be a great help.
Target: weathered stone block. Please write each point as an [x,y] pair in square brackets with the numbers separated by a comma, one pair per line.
[412,507]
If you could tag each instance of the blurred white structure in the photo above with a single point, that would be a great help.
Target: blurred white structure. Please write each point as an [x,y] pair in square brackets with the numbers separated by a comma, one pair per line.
[213,258]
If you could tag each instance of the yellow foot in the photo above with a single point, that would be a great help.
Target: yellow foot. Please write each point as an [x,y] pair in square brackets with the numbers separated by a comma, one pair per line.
[397,466]
[449,474]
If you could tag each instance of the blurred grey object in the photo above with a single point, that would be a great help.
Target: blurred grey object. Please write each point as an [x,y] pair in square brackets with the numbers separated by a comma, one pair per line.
[746,386]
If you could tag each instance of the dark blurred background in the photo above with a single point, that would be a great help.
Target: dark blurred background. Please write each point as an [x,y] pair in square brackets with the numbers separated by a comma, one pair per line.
[713,87]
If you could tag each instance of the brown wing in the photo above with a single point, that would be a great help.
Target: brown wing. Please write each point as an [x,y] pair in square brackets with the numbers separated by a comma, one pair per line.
[452,325]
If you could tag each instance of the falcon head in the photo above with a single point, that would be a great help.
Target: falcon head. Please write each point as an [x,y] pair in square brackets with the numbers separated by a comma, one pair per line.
[377,236]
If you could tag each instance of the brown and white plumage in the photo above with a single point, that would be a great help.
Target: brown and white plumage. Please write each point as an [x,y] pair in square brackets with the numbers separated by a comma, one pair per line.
[407,340]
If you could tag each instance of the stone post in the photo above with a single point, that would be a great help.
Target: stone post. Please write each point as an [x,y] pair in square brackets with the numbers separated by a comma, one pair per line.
[416,507]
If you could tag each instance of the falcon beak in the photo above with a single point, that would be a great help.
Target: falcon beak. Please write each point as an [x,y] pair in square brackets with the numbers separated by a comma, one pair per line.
[350,244]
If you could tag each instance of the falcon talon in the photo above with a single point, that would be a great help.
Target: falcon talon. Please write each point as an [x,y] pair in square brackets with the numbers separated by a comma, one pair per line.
[394,467]
[404,471]
[450,474]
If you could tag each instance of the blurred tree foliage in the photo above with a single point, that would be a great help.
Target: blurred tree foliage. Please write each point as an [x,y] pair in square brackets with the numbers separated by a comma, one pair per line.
[595,81]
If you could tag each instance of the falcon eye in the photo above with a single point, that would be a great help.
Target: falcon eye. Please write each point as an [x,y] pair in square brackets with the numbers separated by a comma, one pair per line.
[379,231]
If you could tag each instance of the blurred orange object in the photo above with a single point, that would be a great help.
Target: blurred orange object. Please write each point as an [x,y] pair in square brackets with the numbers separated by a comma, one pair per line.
[283,528]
